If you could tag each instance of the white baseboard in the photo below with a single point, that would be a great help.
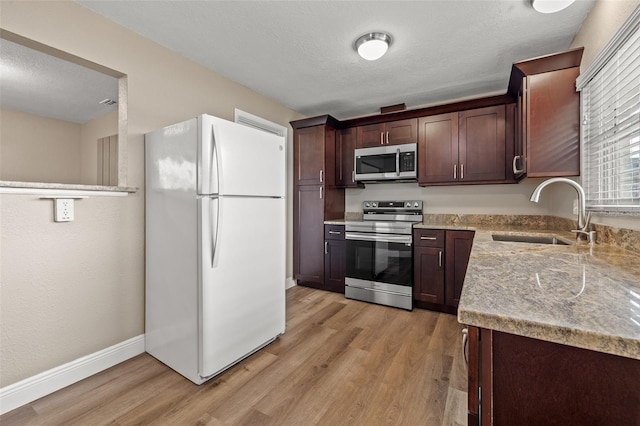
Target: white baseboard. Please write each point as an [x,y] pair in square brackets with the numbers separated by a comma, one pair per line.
[290,283]
[32,388]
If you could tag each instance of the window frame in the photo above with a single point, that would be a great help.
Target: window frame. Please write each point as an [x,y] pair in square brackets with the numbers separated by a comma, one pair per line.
[631,28]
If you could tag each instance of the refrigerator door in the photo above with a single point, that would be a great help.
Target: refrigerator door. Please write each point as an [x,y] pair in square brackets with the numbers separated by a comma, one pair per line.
[242,292]
[239,160]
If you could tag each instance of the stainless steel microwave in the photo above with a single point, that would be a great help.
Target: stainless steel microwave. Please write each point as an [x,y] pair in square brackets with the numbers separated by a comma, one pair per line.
[387,163]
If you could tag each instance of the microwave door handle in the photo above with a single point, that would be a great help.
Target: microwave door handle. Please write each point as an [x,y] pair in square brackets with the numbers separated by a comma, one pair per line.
[398,162]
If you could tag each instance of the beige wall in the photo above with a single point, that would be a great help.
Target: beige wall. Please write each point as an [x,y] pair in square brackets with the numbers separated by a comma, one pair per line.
[70,289]
[462,199]
[91,131]
[600,25]
[38,149]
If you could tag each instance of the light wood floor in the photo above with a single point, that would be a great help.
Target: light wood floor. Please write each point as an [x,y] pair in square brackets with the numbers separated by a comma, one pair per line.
[340,362]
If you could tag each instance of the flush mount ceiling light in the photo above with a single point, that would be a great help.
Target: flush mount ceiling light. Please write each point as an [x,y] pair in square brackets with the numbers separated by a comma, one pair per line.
[372,46]
[550,6]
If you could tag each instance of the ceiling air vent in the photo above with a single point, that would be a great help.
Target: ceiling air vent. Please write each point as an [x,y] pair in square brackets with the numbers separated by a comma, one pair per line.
[259,123]
[108,102]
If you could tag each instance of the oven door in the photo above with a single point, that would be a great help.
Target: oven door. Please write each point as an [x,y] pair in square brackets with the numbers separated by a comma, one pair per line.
[382,258]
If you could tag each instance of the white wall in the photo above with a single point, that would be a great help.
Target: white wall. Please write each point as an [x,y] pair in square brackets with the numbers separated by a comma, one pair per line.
[71,289]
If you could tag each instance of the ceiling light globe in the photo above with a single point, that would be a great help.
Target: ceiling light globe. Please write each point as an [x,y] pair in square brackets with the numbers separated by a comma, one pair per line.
[550,6]
[373,46]
[373,49]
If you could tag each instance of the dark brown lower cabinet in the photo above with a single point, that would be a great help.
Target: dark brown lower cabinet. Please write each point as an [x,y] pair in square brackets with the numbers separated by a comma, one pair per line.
[334,258]
[515,380]
[309,224]
[458,248]
[440,260]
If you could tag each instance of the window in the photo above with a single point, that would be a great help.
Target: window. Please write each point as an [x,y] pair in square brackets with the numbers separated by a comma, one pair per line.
[611,127]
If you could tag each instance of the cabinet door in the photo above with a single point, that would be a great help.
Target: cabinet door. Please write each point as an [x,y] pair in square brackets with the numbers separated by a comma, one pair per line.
[428,274]
[438,148]
[482,144]
[308,151]
[371,135]
[519,163]
[345,146]
[458,248]
[553,117]
[309,235]
[391,133]
[334,265]
[401,131]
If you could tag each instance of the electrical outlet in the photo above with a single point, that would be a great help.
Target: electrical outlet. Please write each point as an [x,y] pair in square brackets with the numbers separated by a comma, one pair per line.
[575,206]
[63,209]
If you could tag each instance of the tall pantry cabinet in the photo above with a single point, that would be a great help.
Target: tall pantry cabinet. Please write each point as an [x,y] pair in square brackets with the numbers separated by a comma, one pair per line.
[315,195]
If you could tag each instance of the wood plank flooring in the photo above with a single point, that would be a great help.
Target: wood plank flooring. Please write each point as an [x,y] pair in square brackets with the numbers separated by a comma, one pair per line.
[340,362]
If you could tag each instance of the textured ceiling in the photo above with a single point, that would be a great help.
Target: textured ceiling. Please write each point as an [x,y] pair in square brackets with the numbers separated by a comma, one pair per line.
[301,54]
[44,85]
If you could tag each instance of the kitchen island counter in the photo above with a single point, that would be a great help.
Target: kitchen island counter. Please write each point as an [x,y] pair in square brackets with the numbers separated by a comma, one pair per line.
[577,295]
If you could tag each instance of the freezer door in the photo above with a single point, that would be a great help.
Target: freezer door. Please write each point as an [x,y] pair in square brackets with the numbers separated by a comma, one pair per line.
[242,292]
[239,160]
[171,159]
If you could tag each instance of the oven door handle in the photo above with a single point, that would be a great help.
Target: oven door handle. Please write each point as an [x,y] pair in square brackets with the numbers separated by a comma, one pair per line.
[385,238]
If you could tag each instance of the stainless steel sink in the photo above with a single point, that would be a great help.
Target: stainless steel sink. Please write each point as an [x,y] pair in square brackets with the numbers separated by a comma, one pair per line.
[538,239]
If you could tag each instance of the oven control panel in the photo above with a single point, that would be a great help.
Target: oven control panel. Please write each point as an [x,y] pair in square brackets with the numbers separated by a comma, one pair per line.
[395,206]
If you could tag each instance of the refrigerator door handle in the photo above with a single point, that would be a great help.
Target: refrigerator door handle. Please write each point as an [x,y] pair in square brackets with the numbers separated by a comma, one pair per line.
[214,173]
[214,222]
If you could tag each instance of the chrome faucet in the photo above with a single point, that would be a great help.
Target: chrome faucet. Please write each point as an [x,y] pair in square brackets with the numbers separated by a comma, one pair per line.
[583,217]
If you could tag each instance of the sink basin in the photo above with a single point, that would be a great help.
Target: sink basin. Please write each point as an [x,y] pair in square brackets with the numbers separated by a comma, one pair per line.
[539,239]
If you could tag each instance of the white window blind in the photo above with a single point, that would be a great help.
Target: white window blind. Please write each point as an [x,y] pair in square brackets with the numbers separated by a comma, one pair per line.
[611,131]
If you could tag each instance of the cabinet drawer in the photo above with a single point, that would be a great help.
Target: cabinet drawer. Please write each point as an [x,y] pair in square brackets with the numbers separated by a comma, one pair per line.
[428,237]
[334,232]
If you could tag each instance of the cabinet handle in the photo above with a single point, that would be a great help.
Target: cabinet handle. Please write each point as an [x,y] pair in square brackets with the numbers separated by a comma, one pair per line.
[516,170]
[334,232]
[461,171]
[339,149]
[326,247]
[381,138]
[440,258]
[455,172]
[387,138]
[429,238]
[321,176]
[321,188]
[353,176]
[465,346]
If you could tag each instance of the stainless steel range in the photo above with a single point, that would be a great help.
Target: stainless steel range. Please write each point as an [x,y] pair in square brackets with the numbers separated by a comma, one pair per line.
[380,255]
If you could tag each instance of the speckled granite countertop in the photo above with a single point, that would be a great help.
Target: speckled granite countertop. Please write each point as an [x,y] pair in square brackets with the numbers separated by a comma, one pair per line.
[578,295]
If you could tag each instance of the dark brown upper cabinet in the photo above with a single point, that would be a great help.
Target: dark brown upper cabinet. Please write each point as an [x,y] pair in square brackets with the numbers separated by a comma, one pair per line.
[547,117]
[346,140]
[389,133]
[465,147]
[309,144]
[438,149]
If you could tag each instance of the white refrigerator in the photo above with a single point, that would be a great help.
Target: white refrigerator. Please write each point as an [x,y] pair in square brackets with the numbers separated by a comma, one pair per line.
[215,244]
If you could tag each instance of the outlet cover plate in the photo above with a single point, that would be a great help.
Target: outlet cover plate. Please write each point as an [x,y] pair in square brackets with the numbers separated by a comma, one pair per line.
[63,209]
